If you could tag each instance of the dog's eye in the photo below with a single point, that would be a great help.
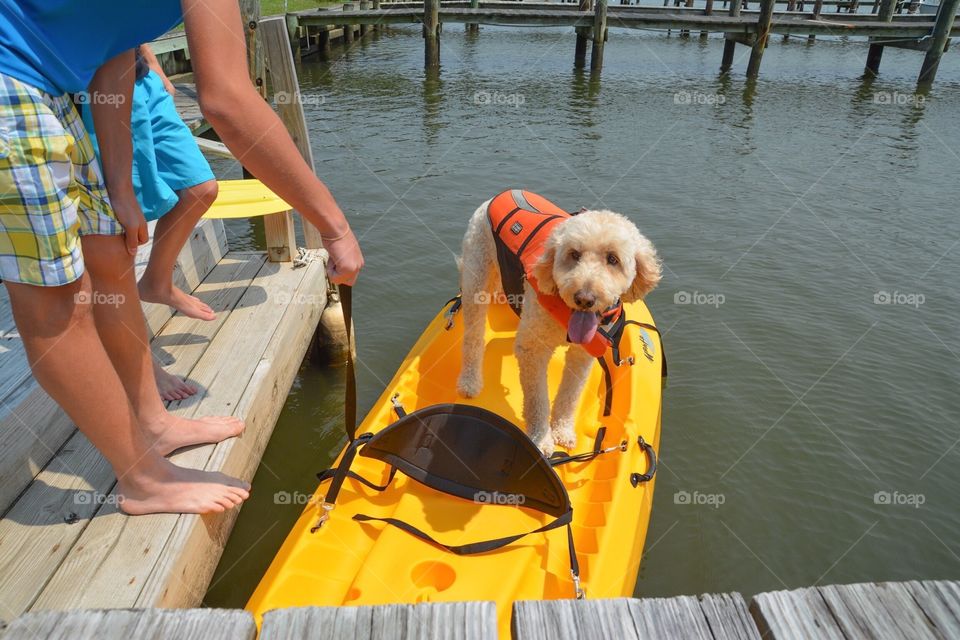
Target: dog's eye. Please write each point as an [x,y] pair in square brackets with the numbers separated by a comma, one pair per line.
[612,259]
[575,255]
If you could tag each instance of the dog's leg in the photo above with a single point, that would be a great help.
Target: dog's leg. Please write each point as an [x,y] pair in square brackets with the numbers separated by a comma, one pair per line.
[477,270]
[576,370]
[533,355]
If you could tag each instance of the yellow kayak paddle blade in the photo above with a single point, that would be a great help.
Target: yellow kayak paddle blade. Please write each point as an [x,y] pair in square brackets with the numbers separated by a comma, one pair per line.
[245,199]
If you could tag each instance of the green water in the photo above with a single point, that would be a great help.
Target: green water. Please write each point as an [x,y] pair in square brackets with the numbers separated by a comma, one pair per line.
[787,213]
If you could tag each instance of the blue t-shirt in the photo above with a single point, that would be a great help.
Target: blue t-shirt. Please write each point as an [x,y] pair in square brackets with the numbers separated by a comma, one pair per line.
[57,45]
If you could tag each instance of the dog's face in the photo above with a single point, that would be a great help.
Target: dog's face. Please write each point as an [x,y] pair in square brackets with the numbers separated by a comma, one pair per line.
[594,258]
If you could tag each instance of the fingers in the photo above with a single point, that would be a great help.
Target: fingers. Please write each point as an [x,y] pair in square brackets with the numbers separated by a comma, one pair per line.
[336,277]
[132,238]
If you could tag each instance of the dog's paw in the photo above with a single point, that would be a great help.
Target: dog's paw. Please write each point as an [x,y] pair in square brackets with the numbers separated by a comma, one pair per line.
[564,434]
[544,442]
[469,386]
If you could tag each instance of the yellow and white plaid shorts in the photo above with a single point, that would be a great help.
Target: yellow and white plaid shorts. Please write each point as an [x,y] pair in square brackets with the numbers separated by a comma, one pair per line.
[51,187]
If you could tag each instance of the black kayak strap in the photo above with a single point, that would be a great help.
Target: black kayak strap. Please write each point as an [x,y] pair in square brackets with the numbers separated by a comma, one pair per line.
[484,546]
[350,393]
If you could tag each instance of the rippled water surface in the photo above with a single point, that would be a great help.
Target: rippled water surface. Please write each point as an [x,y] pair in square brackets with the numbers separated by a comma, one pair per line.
[810,430]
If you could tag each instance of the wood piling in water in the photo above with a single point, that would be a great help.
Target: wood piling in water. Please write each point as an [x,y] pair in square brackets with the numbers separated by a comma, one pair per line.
[599,35]
[348,28]
[875,53]
[760,38]
[431,33]
[938,42]
[730,43]
[580,55]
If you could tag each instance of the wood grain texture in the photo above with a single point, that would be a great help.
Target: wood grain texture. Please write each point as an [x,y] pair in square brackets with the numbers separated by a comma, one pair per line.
[118,624]
[711,616]
[798,614]
[434,621]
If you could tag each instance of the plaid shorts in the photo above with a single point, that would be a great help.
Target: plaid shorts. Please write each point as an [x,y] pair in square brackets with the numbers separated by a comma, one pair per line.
[51,187]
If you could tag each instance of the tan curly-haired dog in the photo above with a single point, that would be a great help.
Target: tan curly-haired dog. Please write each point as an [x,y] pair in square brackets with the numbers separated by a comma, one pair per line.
[590,260]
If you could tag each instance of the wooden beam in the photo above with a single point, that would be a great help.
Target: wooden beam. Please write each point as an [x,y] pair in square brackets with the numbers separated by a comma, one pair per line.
[763,34]
[283,76]
[875,53]
[599,35]
[940,37]
[212,624]
[730,45]
[431,34]
[580,55]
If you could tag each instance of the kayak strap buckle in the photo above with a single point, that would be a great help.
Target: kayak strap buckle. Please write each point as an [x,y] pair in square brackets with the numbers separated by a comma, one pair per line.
[580,593]
[326,507]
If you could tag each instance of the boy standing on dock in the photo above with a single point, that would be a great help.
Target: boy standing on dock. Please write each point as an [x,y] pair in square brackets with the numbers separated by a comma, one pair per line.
[69,233]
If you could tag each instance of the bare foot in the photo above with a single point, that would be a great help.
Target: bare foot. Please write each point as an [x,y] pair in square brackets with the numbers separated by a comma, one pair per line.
[170,386]
[173,432]
[173,489]
[188,305]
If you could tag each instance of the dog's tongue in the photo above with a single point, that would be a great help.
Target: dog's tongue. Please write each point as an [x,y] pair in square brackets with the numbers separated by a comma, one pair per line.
[582,326]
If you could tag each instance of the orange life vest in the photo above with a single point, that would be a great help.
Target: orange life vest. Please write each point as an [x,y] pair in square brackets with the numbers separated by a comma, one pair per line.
[521,223]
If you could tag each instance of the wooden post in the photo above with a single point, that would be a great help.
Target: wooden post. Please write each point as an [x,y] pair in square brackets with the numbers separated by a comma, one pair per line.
[473,27]
[817,9]
[729,44]
[293,33]
[431,33]
[875,53]
[707,11]
[599,35]
[348,28]
[250,13]
[364,6]
[685,33]
[941,36]
[283,77]
[580,56]
[376,7]
[763,33]
[323,40]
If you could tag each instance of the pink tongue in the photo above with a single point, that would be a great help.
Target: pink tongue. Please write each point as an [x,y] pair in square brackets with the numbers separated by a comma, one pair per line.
[582,326]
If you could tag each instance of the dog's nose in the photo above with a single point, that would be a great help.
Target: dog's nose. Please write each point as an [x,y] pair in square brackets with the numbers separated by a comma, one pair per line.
[584,300]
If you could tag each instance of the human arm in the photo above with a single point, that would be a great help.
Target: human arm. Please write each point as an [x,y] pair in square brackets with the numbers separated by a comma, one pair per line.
[151,59]
[110,97]
[253,132]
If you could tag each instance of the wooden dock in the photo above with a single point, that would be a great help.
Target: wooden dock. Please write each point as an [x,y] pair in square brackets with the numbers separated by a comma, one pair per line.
[884,26]
[63,542]
[881,611]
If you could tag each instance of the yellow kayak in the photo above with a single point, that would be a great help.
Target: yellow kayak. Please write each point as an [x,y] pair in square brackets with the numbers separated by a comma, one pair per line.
[349,561]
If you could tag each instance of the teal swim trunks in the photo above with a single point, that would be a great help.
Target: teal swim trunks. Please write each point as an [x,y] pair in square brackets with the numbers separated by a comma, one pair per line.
[166,158]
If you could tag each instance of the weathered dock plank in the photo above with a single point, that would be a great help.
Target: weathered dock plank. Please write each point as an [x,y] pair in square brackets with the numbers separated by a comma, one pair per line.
[708,616]
[428,621]
[884,611]
[184,624]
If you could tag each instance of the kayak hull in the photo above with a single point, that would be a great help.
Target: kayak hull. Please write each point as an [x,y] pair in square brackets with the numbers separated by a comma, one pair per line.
[352,563]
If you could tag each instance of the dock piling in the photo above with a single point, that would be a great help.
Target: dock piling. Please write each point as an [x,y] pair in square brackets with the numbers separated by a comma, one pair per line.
[364,6]
[473,27]
[347,28]
[431,33]
[599,35]
[580,56]
[875,52]
[730,44]
[760,40]
[940,37]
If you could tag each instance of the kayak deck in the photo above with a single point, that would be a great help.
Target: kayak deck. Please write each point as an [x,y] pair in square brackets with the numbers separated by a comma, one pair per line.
[351,563]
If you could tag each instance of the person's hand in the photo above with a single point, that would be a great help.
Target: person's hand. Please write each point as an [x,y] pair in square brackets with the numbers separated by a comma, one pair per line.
[130,216]
[346,259]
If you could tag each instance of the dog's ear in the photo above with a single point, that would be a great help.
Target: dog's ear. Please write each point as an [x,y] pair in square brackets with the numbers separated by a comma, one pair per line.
[648,271]
[543,268]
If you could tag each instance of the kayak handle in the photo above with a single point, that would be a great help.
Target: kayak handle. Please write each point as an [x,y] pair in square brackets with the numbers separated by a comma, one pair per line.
[637,478]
